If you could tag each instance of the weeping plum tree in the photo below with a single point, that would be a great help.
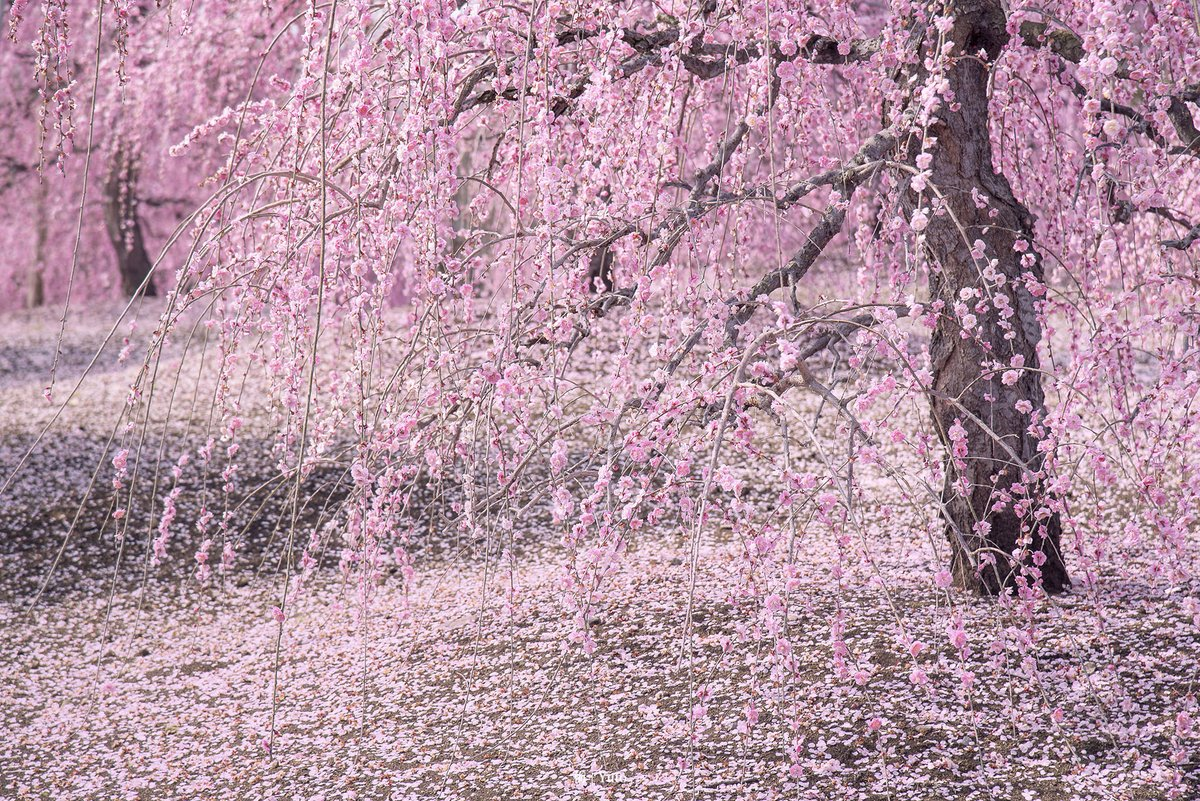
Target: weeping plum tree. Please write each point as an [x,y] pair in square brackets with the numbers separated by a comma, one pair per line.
[616,241]
[669,270]
[88,130]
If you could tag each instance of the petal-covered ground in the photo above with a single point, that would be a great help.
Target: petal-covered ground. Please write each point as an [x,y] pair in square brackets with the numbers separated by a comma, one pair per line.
[464,688]
[467,682]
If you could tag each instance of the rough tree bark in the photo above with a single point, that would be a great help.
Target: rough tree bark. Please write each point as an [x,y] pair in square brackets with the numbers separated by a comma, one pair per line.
[983,527]
[124,226]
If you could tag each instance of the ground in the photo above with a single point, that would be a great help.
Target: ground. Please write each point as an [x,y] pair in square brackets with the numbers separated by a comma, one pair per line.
[122,680]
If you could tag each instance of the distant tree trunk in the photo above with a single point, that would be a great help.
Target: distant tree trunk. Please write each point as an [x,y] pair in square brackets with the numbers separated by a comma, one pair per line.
[600,265]
[124,227]
[990,497]
[600,270]
[35,285]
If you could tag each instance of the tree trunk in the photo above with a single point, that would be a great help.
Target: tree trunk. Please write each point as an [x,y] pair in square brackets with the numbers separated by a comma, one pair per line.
[995,501]
[35,285]
[124,227]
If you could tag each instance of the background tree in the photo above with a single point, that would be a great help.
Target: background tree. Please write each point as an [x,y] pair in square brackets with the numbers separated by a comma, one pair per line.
[124,225]
[155,73]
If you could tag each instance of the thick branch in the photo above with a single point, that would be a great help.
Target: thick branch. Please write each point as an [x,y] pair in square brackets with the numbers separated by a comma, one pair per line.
[704,60]
[1061,43]
[1184,125]
[1184,242]
[849,178]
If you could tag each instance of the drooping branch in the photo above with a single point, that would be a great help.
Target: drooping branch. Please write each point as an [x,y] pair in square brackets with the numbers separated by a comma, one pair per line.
[849,177]
[670,232]
[1069,47]
[830,333]
[847,180]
